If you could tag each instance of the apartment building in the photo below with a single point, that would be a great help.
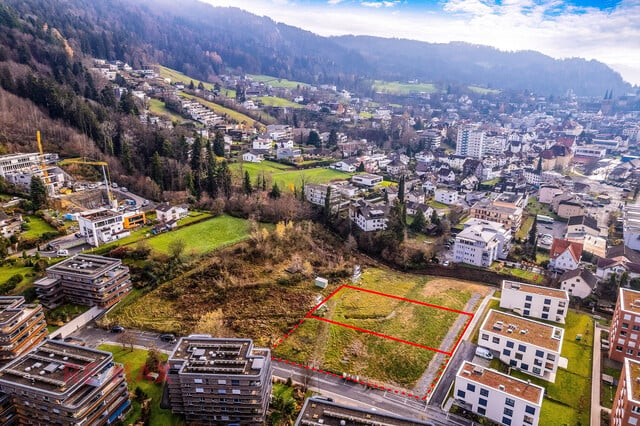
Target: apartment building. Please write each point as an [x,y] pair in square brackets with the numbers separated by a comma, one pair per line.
[509,216]
[61,383]
[86,280]
[565,255]
[317,194]
[219,381]
[626,404]
[470,141]
[631,227]
[503,235]
[446,196]
[369,217]
[625,327]
[317,411]
[535,301]
[12,163]
[22,327]
[366,180]
[101,226]
[497,396]
[476,246]
[529,346]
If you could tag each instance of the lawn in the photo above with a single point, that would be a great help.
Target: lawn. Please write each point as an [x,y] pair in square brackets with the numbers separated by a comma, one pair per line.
[525,275]
[156,106]
[286,176]
[133,361]
[204,237]
[277,82]
[483,90]
[523,232]
[8,270]
[398,88]
[437,205]
[37,227]
[340,349]
[223,111]
[177,76]
[278,102]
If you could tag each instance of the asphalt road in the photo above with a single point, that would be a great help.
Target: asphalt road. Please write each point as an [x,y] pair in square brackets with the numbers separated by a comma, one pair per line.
[95,336]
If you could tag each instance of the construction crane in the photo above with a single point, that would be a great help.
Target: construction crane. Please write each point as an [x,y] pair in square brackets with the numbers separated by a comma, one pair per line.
[43,164]
[105,174]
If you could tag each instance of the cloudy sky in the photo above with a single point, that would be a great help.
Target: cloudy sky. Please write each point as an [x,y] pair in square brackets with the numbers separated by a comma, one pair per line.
[606,30]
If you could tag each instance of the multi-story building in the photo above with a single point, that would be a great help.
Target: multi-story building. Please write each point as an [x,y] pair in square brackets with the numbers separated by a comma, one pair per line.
[631,227]
[20,162]
[317,194]
[64,384]
[625,327]
[219,381]
[535,301]
[565,255]
[509,216]
[446,196]
[86,280]
[626,405]
[317,411]
[470,142]
[22,327]
[578,282]
[477,246]
[367,179]
[529,346]
[590,151]
[369,217]
[167,213]
[503,235]
[102,226]
[497,396]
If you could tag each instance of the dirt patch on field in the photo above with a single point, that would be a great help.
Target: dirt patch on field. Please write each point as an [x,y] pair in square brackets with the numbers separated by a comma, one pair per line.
[439,285]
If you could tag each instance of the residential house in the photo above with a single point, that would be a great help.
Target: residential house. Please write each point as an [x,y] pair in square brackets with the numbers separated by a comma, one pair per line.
[556,157]
[288,153]
[569,208]
[317,194]
[618,260]
[396,168]
[253,156]
[626,404]
[101,226]
[263,143]
[429,186]
[503,213]
[470,182]
[585,230]
[366,179]
[348,165]
[502,234]
[167,213]
[547,192]
[369,217]
[624,331]
[498,396]
[413,207]
[578,283]
[564,255]
[535,301]
[446,175]
[446,196]
[529,346]
[417,196]
[477,246]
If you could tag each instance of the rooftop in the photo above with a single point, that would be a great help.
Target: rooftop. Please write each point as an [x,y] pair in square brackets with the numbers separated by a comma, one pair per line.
[322,412]
[632,368]
[502,382]
[55,366]
[208,355]
[100,215]
[524,330]
[534,289]
[630,300]
[10,307]
[85,265]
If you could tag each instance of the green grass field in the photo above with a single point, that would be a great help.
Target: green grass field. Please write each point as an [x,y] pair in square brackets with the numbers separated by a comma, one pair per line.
[133,362]
[223,111]
[37,227]
[156,106]
[286,176]
[204,237]
[277,82]
[278,102]
[177,76]
[483,90]
[7,271]
[399,88]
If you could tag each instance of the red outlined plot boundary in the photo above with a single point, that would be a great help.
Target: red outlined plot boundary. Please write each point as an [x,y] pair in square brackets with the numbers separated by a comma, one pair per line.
[310,315]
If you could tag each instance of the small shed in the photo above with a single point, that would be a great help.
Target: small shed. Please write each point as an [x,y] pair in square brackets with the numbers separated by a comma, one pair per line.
[321,282]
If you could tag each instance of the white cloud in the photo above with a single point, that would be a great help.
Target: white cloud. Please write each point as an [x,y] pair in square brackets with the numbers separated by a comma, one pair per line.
[379,4]
[548,26]
[333,2]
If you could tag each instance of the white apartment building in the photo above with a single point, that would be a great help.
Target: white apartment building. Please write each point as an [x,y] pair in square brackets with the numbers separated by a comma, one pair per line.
[366,179]
[317,194]
[446,196]
[476,246]
[529,346]
[535,301]
[590,151]
[497,396]
[631,229]
[502,234]
[102,226]
[261,143]
[369,217]
[626,405]
[19,162]
[470,142]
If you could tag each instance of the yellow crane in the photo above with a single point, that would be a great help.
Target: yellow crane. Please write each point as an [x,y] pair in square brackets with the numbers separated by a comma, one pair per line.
[105,173]
[43,164]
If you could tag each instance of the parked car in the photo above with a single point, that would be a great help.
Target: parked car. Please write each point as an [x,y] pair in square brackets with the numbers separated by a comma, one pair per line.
[484,353]
[445,263]
[117,329]
[168,337]
[62,252]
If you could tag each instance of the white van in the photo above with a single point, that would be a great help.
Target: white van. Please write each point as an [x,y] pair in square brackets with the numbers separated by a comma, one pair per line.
[484,353]
[62,252]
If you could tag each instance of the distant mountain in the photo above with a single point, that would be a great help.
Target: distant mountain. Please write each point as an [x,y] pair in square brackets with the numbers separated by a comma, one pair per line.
[201,40]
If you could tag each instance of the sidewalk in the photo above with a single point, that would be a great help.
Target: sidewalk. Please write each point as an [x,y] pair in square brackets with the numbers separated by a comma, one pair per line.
[596,408]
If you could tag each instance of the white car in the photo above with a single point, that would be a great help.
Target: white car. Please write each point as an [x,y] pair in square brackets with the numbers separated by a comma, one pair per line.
[484,353]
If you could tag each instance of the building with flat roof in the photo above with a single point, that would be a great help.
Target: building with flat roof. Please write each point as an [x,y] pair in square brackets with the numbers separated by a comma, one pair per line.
[22,327]
[626,404]
[625,327]
[101,226]
[219,380]
[631,227]
[477,245]
[470,141]
[61,383]
[529,346]
[509,216]
[86,280]
[535,301]
[317,411]
[497,396]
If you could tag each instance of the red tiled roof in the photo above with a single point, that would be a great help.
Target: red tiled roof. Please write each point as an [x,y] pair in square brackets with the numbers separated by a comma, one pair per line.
[560,246]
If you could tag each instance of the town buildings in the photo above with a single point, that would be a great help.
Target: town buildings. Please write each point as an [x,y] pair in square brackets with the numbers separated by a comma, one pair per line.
[446,196]
[369,217]
[578,282]
[504,209]
[219,381]
[564,255]
[168,213]
[18,170]
[101,226]
[480,244]
[470,141]
[22,327]
[62,384]
[530,346]
[86,280]
[497,396]
[535,301]
[631,227]
[625,327]
[626,404]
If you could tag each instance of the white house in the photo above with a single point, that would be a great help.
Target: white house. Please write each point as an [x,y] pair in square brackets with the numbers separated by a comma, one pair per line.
[101,226]
[476,246]
[497,396]
[369,217]
[366,179]
[167,213]
[317,194]
[502,234]
[349,165]
[428,186]
[253,156]
[578,282]
[564,255]
[261,143]
[535,301]
[446,196]
[529,346]
[631,227]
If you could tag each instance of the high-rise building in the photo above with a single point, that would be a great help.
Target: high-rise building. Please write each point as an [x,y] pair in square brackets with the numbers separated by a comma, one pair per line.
[626,405]
[470,142]
[219,381]
[63,384]
[22,327]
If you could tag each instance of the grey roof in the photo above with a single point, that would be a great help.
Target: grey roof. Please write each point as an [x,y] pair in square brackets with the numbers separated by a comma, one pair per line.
[585,274]
[585,220]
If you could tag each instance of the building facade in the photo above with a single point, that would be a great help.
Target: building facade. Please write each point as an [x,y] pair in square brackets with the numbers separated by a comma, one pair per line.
[626,404]
[61,383]
[625,327]
[22,327]
[446,196]
[86,280]
[219,381]
[535,301]
[529,346]
[369,217]
[102,226]
[497,396]
[470,142]
[476,246]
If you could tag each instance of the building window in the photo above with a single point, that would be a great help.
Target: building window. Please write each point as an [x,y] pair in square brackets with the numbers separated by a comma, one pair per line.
[530,410]
[509,402]
[485,337]
[482,411]
[545,309]
[547,301]
[625,325]
[528,420]
[629,351]
[199,390]
[539,353]
[522,348]
[619,348]
[508,412]
[528,298]
[513,363]
[484,392]
[635,409]
[527,305]
[623,333]
[506,352]
[524,366]
[471,388]
[496,340]
[482,402]
[519,356]
[510,344]
[197,381]
[461,394]
[537,371]
[551,357]
[222,391]
[545,316]
[506,421]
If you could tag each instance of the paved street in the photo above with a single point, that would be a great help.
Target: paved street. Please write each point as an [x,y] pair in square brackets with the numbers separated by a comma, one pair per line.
[95,336]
